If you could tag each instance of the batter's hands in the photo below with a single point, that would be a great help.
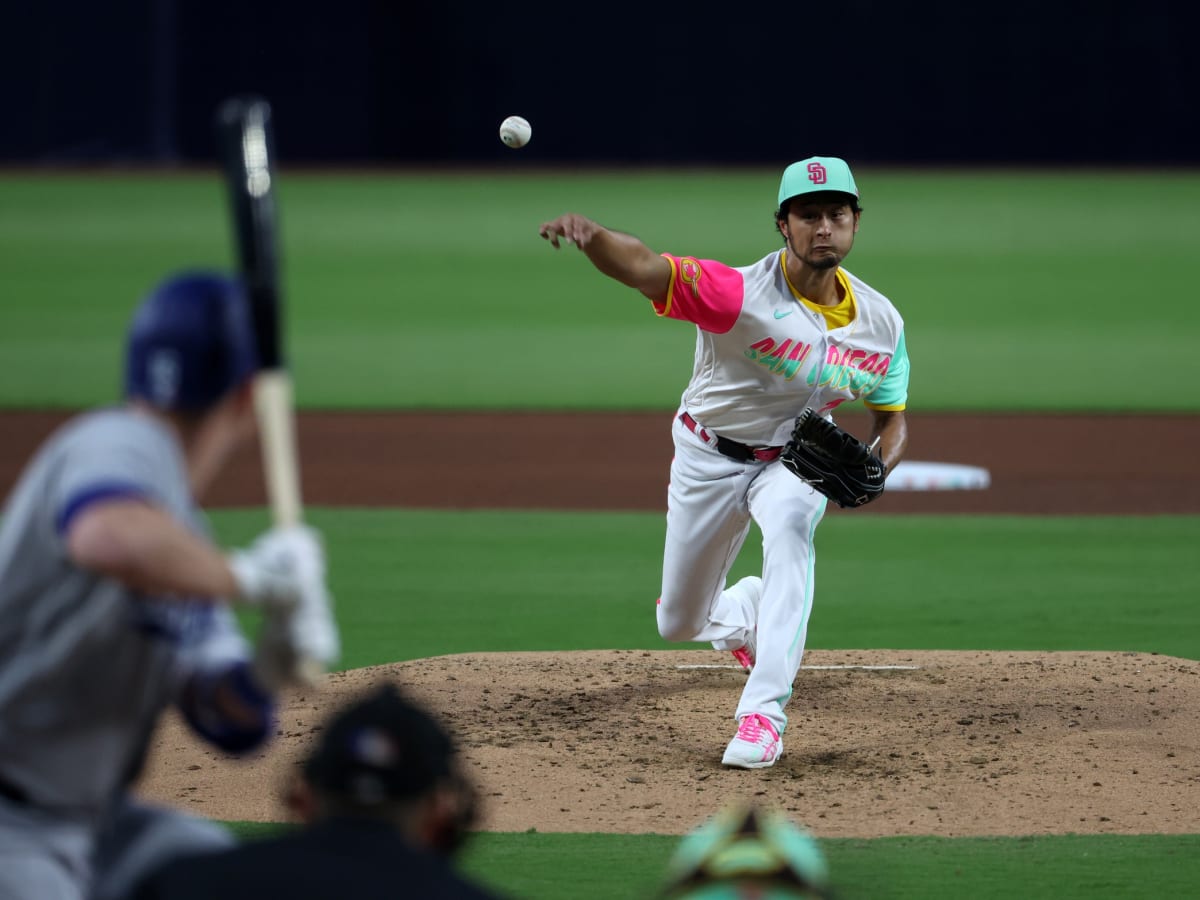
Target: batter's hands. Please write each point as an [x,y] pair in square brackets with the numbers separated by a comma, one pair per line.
[283,573]
[295,647]
[571,227]
[274,571]
[275,663]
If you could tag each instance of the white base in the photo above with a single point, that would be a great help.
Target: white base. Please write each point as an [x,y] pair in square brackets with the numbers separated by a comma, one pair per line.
[936,476]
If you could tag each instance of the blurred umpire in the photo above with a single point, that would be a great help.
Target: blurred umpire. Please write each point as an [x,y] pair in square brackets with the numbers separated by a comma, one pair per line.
[113,604]
[384,806]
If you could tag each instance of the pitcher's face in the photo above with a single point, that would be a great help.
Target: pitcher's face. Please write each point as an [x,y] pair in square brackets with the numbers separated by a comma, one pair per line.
[820,231]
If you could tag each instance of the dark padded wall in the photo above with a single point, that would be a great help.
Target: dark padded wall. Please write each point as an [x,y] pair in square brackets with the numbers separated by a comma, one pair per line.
[428,82]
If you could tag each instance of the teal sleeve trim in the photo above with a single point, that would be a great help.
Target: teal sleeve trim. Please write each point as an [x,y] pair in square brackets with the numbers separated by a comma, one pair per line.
[893,389]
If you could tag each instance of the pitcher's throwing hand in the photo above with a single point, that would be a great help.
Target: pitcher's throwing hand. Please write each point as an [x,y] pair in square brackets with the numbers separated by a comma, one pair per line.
[572,228]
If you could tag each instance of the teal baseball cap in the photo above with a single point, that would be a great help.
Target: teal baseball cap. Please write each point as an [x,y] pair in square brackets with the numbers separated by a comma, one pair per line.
[817,173]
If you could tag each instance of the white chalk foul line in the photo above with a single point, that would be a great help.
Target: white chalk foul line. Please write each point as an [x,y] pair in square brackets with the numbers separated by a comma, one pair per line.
[825,668]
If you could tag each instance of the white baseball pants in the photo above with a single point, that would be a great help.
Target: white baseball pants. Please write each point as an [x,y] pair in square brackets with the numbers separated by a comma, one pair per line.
[711,502]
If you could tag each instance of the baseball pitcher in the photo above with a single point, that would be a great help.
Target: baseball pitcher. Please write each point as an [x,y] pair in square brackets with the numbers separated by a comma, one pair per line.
[780,344]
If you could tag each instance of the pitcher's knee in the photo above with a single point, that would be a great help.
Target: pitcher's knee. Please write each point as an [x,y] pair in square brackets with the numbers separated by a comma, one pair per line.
[676,628]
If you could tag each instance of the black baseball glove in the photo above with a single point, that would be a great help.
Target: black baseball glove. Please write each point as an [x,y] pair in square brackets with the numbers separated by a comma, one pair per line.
[833,461]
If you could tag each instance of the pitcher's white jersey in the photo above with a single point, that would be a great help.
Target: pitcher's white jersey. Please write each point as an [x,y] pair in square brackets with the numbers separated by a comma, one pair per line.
[763,355]
[87,665]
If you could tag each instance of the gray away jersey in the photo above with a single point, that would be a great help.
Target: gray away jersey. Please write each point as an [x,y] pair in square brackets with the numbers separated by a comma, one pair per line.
[86,665]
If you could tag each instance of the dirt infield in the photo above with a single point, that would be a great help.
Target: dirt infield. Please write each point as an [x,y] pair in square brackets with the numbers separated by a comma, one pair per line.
[627,741]
[1041,465]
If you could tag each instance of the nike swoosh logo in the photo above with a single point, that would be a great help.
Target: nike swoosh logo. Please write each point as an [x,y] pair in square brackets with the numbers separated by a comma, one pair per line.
[779,314]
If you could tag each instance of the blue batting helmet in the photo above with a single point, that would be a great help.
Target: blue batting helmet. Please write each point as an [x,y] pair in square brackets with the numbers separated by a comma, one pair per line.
[190,343]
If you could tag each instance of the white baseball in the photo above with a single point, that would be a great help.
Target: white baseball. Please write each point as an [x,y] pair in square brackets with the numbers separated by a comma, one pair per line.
[515,132]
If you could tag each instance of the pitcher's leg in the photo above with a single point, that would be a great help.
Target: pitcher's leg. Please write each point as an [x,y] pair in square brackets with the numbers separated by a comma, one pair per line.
[787,512]
[737,606]
[707,523]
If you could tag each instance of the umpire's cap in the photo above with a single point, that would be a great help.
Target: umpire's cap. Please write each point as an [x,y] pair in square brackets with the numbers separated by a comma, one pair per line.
[747,851]
[817,174]
[380,749]
[191,342]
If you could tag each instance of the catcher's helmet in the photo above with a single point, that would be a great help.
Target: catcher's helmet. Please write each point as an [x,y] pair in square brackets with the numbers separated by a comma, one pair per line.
[190,343]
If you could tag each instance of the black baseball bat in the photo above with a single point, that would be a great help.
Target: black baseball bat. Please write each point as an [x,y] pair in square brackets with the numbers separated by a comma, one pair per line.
[246,141]
[245,137]
[245,134]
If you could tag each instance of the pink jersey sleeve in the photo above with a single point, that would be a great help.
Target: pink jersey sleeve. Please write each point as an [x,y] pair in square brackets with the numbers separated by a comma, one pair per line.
[703,291]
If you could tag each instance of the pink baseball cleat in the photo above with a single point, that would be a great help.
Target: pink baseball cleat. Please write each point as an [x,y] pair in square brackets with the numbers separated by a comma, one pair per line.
[755,746]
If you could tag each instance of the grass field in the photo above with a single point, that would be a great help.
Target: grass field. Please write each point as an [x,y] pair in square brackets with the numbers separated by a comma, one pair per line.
[1021,290]
[1066,867]
[1070,867]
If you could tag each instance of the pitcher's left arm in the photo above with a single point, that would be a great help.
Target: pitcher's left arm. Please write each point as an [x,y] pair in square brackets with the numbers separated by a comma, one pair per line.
[890,427]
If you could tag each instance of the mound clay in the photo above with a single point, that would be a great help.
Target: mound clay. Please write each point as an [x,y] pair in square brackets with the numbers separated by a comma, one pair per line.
[878,742]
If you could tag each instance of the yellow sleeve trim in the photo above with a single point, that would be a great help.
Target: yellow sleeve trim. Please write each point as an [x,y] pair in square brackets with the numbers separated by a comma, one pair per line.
[884,407]
[666,307]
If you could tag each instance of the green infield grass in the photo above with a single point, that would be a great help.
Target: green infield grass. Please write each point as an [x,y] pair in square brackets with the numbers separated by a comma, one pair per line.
[1059,867]
[1021,290]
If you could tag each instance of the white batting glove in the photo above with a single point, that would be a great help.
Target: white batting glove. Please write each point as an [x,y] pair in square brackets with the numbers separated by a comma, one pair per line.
[274,663]
[283,573]
[313,632]
[273,571]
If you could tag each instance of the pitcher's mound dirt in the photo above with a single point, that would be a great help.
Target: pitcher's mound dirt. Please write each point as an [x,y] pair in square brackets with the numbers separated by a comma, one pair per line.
[934,742]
